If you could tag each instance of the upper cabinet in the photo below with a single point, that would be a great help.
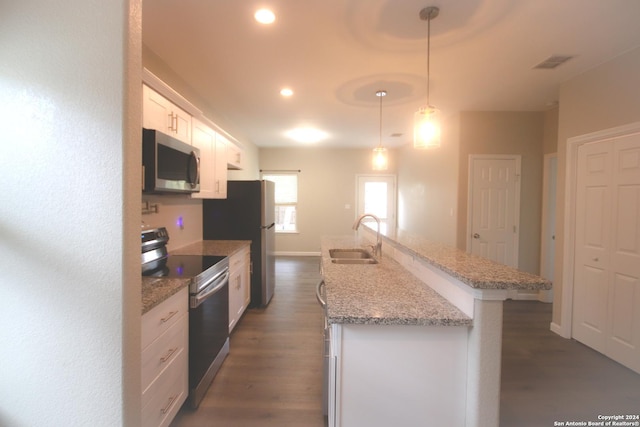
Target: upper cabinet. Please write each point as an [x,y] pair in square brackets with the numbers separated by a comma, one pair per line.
[167,111]
[161,114]
[235,158]
[213,161]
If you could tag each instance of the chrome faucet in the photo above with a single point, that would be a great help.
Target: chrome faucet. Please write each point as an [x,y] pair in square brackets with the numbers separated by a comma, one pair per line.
[377,249]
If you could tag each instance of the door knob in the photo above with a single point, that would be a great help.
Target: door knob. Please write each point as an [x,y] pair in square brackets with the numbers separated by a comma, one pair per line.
[476,236]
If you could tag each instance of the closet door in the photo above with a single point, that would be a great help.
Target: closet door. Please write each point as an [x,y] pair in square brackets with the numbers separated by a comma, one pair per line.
[593,207]
[607,253]
[623,332]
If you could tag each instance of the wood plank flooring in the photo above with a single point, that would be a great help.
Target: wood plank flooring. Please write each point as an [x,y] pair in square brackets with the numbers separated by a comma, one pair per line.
[272,376]
[547,378]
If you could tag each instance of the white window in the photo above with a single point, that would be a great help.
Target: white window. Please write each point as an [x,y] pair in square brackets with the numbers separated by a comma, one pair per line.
[286,200]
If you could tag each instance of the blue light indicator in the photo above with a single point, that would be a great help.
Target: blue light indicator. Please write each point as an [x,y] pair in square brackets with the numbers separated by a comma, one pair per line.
[180,223]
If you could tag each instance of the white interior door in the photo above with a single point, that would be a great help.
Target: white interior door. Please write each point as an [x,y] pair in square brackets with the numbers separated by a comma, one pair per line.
[593,198]
[623,332]
[494,208]
[607,249]
[376,194]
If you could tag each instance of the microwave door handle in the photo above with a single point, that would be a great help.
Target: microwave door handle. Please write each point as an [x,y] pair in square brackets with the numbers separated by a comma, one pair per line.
[197,168]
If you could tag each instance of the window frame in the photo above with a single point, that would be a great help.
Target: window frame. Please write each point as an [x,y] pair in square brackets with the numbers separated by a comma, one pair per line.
[265,175]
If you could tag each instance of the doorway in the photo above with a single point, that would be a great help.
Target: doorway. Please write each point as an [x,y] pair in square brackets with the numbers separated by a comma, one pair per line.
[376,194]
[494,207]
[548,234]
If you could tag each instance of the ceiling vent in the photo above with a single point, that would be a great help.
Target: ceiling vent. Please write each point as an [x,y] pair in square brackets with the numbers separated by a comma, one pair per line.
[553,62]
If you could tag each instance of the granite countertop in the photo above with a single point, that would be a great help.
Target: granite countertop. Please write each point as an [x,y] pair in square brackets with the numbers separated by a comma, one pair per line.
[381,294]
[157,289]
[472,270]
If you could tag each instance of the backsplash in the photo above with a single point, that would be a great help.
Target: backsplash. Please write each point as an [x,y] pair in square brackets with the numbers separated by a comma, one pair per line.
[179,214]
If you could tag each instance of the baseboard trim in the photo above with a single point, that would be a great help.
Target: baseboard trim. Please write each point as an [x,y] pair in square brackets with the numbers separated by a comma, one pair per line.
[557,329]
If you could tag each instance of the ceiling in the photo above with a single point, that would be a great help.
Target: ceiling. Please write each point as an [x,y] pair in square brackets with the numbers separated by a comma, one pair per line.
[335,54]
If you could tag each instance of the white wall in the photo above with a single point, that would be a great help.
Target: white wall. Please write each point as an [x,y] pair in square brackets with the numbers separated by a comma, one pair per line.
[428,187]
[326,183]
[605,97]
[69,304]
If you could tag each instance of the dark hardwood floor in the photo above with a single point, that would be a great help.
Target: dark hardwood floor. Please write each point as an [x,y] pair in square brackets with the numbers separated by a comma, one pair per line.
[272,376]
[546,378]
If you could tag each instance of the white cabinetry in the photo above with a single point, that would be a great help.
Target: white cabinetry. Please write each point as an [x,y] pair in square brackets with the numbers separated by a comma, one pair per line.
[401,375]
[235,157]
[213,161]
[165,344]
[239,285]
[161,114]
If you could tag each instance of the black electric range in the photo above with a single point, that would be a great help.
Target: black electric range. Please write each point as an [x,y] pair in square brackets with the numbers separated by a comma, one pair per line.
[199,267]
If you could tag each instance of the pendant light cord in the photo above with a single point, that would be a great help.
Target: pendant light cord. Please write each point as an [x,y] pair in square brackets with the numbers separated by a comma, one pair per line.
[428,57]
[380,94]
[380,141]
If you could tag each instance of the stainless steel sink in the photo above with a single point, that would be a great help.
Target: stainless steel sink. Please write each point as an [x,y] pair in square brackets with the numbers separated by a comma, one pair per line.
[355,253]
[351,256]
[361,261]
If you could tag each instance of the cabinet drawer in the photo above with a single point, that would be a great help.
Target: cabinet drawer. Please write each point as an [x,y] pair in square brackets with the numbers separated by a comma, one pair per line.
[237,259]
[160,318]
[167,394]
[161,353]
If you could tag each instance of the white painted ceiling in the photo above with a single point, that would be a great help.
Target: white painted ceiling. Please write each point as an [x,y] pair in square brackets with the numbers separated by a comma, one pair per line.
[335,54]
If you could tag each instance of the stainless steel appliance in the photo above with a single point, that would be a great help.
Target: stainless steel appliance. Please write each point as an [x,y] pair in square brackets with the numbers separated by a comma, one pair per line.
[168,165]
[208,311]
[248,213]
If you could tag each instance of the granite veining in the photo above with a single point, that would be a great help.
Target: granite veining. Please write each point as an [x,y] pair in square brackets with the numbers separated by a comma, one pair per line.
[157,289]
[381,294]
[475,271]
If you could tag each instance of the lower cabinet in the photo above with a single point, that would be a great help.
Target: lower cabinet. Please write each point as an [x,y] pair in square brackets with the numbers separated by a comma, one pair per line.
[165,362]
[239,285]
[397,375]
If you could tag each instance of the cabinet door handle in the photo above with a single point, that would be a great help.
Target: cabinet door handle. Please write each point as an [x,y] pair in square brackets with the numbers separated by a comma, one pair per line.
[168,316]
[169,404]
[168,355]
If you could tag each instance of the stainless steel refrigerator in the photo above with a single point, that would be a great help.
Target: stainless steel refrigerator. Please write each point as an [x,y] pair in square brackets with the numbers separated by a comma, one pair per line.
[248,213]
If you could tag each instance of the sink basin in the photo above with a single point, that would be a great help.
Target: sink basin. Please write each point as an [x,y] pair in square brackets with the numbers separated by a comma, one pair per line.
[351,256]
[361,261]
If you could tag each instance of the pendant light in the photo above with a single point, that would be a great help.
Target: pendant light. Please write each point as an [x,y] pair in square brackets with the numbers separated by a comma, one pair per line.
[426,121]
[380,157]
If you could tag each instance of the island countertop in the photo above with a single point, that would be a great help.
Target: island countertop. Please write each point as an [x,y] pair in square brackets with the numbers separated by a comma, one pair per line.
[381,294]
[157,289]
[472,270]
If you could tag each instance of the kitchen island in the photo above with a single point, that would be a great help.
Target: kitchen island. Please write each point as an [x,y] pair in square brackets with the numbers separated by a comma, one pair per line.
[416,338]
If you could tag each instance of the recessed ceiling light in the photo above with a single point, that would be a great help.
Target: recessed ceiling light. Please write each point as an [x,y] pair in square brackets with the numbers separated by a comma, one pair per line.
[286,92]
[265,16]
[307,135]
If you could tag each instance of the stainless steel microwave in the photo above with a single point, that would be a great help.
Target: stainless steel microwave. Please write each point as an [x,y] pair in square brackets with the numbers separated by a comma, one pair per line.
[168,165]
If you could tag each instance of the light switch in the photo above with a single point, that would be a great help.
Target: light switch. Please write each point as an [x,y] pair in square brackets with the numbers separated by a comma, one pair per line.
[347,206]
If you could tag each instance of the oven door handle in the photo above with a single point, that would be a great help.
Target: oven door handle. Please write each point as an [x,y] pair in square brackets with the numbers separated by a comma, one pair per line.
[211,289]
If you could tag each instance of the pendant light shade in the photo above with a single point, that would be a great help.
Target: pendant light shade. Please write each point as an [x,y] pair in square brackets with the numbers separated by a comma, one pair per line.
[426,128]
[426,121]
[380,160]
